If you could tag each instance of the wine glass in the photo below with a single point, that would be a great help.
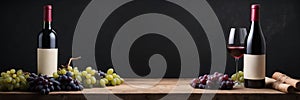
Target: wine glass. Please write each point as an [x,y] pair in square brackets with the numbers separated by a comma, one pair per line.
[236,47]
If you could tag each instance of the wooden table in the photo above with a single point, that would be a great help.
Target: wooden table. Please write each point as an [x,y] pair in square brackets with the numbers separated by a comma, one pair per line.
[148,89]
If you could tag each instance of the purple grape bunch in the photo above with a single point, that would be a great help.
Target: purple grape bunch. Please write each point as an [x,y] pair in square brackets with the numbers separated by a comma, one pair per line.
[214,81]
[67,83]
[42,84]
[45,84]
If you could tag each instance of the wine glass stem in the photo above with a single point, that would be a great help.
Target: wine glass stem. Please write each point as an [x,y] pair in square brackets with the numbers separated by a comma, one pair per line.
[236,67]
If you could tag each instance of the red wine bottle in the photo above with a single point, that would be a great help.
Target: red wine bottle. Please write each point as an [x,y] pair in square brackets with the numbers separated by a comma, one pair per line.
[47,51]
[255,53]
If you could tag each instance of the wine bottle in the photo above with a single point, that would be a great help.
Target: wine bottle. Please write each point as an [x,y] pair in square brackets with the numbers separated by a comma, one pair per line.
[255,53]
[47,51]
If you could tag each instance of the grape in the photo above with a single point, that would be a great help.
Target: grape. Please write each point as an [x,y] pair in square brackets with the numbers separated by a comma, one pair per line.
[89,69]
[84,73]
[122,80]
[221,79]
[12,71]
[2,74]
[201,86]
[205,76]
[241,79]
[102,83]
[88,76]
[215,73]
[233,77]
[55,75]
[106,81]
[237,75]
[209,83]
[225,77]
[8,80]
[18,79]
[69,68]
[75,68]
[76,72]
[19,72]
[114,75]
[118,76]
[113,82]
[88,81]
[93,72]
[241,73]
[7,72]
[78,78]
[63,71]
[202,81]
[93,80]
[110,71]
[59,72]
[200,77]
[214,78]
[109,77]
[229,84]
[22,78]
[118,81]
[13,81]
[27,76]
[69,74]
[195,80]
[14,75]
[195,85]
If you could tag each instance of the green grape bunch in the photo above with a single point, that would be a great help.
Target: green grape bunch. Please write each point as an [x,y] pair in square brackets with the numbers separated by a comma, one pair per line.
[239,76]
[90,77]
[13,80]
[111,79]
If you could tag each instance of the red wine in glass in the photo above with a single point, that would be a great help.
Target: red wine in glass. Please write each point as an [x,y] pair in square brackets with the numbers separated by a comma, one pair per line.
[236,51]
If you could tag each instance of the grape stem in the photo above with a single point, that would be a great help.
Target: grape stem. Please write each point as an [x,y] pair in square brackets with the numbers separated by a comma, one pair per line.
[71,59]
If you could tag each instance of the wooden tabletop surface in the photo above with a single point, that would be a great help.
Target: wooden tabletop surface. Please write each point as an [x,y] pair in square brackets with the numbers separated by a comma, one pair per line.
[154,89]
[159,86]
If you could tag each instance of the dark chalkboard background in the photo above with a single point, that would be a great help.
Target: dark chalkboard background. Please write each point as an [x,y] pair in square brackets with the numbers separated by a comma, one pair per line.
[21,20]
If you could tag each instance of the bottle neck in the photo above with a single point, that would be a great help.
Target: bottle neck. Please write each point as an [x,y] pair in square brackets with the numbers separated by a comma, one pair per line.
[47,25]
[255,12]
[47,17]
[255,15]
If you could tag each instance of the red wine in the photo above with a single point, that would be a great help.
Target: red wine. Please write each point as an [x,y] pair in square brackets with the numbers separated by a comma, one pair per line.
[47,51]
[236,51]
[255,53]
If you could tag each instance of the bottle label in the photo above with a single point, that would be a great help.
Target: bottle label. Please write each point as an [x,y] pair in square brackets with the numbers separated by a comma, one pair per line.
[47,61]
[254,66]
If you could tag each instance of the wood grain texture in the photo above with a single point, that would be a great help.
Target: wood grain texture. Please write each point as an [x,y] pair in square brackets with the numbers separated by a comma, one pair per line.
[135,89]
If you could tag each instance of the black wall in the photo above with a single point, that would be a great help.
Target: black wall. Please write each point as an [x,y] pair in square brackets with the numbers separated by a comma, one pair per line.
[21,20]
